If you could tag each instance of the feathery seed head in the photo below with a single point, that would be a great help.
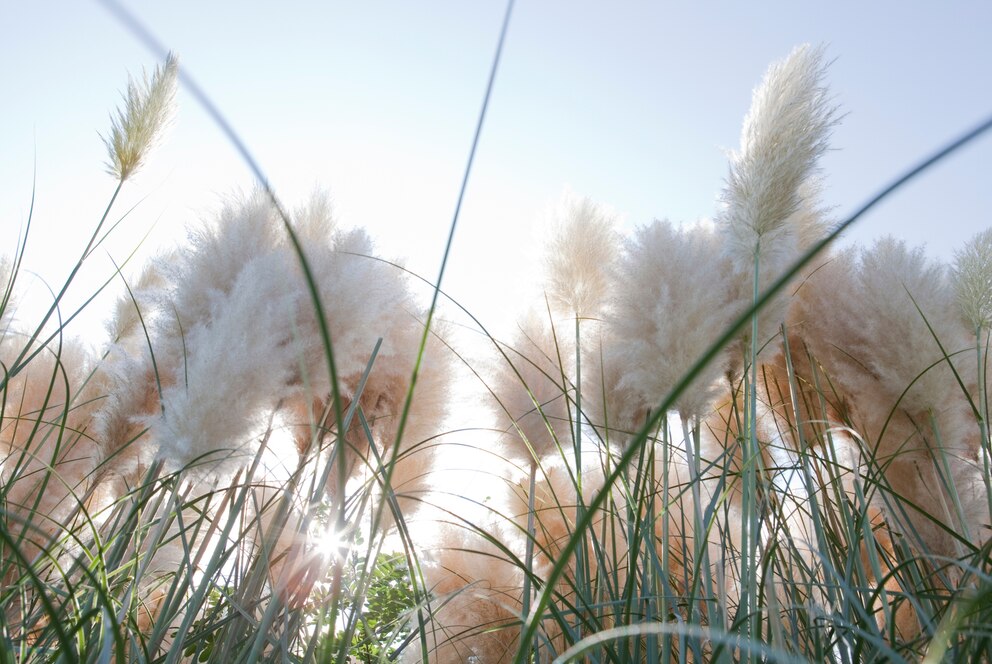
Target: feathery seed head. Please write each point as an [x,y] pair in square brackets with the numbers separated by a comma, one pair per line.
[580,253]
[148,108]
[671,309]
[972,275]
[532,389]
[315,220]
[784,134]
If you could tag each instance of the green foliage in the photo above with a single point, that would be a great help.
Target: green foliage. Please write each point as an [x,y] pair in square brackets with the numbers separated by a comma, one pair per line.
[216,608]
[382,619]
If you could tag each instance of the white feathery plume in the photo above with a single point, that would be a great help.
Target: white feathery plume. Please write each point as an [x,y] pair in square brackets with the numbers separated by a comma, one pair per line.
[236,371]
[131,309]
[531,388]
[247,228]
[871,318]
[149,106]
[314,221]
[237,306]
[220,348]
[859,317]
[894,281]
[234,338]
[218,319]
[669,308]
[365,299]
[784,134]
[610,403]
[972,277]
[579,255]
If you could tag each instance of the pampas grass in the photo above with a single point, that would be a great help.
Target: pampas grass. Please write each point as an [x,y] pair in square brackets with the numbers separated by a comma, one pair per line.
[531,389]
[784,134]
[579,253]
[769,214]
[148,108]
[671,303]
[245,472]
[905,400]
[972,278]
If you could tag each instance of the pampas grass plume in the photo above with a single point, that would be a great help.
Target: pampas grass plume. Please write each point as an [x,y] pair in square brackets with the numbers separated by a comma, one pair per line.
[475,616]
[784,134]
[580,251]
[531,388]
[894,281]
[972,277]
[248,342]
[148,108]
[669,309]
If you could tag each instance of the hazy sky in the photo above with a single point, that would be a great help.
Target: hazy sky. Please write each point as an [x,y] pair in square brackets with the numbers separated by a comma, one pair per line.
[631,103]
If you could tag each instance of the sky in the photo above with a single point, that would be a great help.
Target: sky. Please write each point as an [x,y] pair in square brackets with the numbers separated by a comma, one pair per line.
[633,104]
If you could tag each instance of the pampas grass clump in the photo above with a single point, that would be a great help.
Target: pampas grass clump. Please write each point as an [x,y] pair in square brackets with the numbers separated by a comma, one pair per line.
[235,474]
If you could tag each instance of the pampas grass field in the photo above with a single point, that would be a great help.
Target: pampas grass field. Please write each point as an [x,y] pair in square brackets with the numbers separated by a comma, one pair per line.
[727,441]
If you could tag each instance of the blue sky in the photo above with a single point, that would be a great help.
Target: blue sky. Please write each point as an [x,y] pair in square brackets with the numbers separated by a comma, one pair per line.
[631,103]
